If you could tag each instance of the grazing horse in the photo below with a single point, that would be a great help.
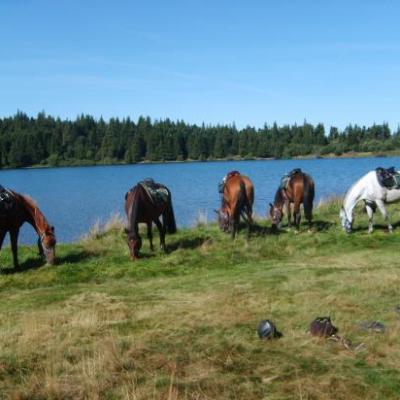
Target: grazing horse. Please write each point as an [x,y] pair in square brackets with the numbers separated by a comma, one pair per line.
[142,206]
[298,189]
[237,200]
[22,209]
[369,189]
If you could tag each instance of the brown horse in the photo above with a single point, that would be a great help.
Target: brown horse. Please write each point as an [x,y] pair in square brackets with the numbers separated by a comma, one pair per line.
[23,209]
[299,189]
[141,207]
[237,200]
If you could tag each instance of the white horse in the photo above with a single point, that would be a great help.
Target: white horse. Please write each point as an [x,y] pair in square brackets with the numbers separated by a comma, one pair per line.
[374,195]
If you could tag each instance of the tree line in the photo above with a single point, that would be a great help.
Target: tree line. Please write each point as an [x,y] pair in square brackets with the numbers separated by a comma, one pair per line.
[27,141]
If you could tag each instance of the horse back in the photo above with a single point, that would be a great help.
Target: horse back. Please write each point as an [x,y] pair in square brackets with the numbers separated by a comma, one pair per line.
[233,192]
[301,188]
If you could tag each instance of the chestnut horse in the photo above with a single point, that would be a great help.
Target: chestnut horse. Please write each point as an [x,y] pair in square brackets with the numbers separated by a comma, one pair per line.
[139,207]
[237,200]
[23,209]
[299,189]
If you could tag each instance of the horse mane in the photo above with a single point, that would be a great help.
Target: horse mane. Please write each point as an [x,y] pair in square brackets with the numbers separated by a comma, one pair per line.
[34,211]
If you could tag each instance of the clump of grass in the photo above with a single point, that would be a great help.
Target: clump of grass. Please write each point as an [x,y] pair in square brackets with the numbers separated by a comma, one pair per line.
[201,218]
[330,205]
[114,224]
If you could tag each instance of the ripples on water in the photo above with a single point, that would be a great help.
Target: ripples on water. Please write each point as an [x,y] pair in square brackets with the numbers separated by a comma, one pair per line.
[73,199]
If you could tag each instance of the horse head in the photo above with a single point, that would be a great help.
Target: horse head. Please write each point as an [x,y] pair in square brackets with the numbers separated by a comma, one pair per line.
[276,214]
[47,244]
[347,225]
[134,244]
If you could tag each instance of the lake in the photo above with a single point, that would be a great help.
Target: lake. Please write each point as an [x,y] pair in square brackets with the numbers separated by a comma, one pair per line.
[73,199]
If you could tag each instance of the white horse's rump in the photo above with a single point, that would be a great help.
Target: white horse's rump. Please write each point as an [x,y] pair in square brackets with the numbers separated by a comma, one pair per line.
[368,189]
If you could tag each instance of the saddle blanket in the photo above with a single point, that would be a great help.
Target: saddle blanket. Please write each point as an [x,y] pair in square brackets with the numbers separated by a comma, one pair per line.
[286,178]
[158,193]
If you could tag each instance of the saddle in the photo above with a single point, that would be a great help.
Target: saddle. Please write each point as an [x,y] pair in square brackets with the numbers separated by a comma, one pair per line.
[225,179]
[289,175]
[158,194]
[7,201]
[388,177]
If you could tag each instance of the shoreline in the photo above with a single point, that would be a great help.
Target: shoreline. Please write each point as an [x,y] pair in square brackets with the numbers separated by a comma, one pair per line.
[329,156]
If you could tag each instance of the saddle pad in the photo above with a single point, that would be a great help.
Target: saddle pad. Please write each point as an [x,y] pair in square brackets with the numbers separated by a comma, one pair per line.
[158,194]
[286,178]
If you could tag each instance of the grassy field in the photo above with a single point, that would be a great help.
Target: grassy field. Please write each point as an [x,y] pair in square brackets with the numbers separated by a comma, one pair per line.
[182,325]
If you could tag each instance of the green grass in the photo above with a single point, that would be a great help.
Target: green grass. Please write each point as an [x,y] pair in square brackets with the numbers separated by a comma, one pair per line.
[182,325]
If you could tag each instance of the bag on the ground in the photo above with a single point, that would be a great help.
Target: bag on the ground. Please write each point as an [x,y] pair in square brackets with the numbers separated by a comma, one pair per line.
[323,327]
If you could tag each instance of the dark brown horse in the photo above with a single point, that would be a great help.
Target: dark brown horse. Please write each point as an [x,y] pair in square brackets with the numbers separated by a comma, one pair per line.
[141,207]
[237,200]
[298,190]
[23,209]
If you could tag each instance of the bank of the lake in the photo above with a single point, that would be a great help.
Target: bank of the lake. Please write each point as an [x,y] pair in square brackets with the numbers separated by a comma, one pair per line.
[113,162]
[182,325]
[73,199]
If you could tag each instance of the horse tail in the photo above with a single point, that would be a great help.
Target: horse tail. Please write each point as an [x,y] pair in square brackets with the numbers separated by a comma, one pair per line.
[169,216]
[308,196]
[242,202]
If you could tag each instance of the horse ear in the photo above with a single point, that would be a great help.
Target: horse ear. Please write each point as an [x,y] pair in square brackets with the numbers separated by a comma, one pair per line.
[52,228]
[271,205]
[216,211]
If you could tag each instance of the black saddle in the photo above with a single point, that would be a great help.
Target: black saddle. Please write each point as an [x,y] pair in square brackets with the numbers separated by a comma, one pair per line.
[7,200]
[159,194]
[387,177]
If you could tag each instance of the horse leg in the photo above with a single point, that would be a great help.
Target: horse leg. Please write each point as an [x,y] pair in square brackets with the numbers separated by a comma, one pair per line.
[2,236]
[249,222]
[14,246]
[382,209]
[370,213]
[161,230]
[289,213]
[150,235]
[235,220]
[297,215]
[308,214]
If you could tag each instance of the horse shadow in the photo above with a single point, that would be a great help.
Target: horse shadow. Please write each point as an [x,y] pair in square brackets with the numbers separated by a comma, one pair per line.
[187,243]
[74,257]
[28,264]
[38,262]
[379,227]
[262,230]
[321,226]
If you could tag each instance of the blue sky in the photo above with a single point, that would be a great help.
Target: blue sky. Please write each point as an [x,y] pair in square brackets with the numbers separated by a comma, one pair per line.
[248,62]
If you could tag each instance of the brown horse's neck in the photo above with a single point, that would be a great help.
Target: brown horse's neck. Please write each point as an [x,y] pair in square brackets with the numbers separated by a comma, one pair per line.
[33,215]
[134,212]
[279,198]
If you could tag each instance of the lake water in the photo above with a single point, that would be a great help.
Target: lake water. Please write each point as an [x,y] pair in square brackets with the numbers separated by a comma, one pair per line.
[73,199]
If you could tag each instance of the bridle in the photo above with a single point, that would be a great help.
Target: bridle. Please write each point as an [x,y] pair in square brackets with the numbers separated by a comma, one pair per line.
[46,250]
